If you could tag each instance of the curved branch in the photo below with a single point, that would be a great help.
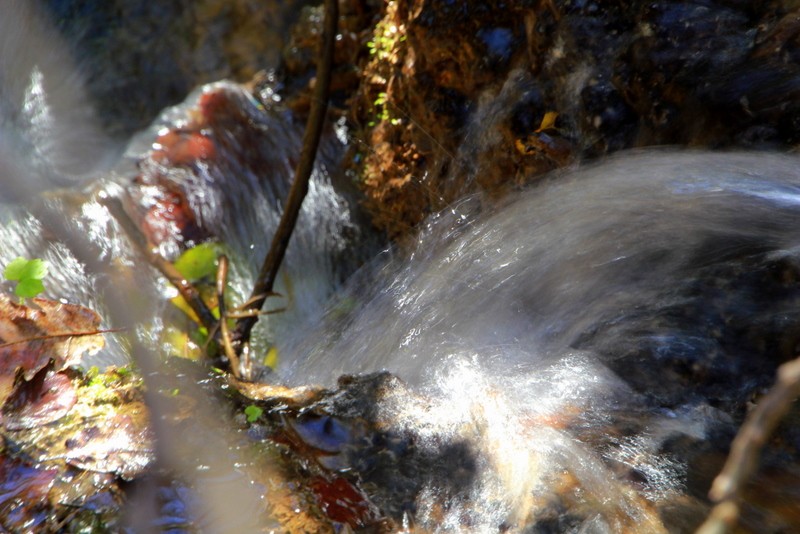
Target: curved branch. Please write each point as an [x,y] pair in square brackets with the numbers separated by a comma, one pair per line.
[319,106]
[743,458]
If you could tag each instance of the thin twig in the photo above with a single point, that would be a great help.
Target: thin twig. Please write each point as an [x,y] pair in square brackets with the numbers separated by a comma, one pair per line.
[252,313]
[222,281]
[319,105]
[65,334]
[184,287]
[746,447]
[240,367]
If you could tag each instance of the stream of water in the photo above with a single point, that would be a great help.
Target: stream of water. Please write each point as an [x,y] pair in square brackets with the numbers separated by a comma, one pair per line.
[587,344]
[660,285]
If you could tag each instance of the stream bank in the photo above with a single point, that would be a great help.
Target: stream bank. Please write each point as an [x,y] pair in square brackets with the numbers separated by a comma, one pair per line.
[453,98]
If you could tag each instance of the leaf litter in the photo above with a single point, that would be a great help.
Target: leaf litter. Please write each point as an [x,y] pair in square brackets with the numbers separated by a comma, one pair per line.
[69,437]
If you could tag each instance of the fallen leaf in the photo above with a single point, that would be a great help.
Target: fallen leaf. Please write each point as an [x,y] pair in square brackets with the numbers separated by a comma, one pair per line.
[23,495]
[34,334]
[46,398]
[120,443]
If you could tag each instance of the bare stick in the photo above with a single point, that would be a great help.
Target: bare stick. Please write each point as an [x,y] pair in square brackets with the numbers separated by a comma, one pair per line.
[65,334]
[252,313]
[319,105]
[743,458]
[184,287]
[222,280]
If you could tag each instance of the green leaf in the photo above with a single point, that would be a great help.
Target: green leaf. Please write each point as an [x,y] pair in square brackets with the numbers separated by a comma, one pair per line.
[22,269]
[15,269]
[28,288]
[28,274]
[253,412]
[199,262]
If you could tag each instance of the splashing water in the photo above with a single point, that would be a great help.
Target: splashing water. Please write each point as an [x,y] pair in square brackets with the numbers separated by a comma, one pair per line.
[592,326]
[572,263]
[53,206]
[572,354]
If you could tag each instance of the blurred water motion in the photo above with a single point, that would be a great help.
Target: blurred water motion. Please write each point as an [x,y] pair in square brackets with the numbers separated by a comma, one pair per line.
[614,321]
[49,132]
[575,358]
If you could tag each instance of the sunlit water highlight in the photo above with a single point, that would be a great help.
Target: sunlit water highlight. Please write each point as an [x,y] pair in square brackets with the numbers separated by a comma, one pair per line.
[587,250]
[237,197]
[564,337]
[660,285]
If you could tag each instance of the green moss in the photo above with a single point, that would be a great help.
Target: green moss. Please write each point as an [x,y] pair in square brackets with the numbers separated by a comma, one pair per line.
[384,48]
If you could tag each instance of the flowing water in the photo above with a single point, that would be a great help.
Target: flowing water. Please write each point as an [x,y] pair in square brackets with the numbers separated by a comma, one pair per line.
[620,314]
[610,258]
[573,355]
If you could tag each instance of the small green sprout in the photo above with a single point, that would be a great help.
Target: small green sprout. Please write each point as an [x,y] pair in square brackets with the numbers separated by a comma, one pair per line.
[28,274]
[253,412]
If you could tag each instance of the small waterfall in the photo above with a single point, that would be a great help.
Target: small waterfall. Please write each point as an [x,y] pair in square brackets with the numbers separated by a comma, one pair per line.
[232,186]
[611,322]
[235,192]
[573,356]
[600,258]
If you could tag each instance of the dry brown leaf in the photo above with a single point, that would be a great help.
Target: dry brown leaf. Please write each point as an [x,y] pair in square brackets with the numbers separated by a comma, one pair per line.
[34,333]
[120,443]
[48,397]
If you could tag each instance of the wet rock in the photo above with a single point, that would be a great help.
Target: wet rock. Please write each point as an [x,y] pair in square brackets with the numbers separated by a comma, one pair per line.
[219,166]
[370,438]
[141,57]
[25,490]
[617,74]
